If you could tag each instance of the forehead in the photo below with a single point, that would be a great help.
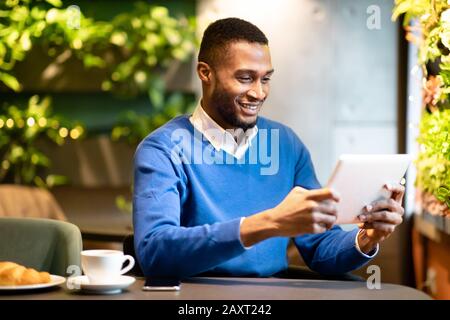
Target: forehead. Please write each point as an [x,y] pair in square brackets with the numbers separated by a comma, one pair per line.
[246,55]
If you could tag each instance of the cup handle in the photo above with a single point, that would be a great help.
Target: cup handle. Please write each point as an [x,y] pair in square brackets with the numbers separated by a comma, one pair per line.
[130,264]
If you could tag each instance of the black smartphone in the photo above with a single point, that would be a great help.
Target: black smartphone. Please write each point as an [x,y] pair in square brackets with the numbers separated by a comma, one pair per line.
[161,284]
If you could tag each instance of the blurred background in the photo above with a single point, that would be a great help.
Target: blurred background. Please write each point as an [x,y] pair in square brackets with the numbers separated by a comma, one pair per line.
[82,82]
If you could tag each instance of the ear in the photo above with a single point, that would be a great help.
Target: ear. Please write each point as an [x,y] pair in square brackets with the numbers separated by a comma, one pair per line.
[204,72]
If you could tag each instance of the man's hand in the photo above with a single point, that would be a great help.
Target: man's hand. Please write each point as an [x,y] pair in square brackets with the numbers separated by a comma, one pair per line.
[302,211]
[305,211]
[380,219]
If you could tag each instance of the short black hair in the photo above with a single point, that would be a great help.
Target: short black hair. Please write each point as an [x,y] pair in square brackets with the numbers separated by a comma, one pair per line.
[222,32]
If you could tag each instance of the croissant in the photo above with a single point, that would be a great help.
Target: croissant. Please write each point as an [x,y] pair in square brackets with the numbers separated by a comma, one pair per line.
[14,274]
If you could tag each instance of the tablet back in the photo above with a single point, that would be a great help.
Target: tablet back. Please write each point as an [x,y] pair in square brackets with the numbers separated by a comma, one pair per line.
[359,180]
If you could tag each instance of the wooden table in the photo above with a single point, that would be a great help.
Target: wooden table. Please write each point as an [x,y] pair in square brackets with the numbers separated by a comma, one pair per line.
[239,289]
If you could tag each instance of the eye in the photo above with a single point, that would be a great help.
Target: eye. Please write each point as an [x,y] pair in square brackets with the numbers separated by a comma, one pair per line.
[265,80]
[245,79]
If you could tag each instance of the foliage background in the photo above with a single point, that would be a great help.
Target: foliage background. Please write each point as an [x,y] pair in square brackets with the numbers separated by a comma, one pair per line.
[427,24]
[130,52]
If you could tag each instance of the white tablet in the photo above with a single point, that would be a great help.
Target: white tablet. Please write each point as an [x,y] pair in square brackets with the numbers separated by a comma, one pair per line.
[359,180]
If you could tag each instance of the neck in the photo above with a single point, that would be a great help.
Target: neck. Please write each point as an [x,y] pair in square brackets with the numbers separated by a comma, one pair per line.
[212,112]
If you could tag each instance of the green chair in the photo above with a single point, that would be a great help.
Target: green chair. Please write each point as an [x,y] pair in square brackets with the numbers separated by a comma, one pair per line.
[42,244]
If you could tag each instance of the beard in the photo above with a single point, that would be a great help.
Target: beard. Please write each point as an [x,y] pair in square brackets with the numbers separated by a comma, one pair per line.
[225,104]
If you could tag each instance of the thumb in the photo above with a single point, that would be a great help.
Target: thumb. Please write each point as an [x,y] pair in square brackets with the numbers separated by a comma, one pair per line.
[300,189]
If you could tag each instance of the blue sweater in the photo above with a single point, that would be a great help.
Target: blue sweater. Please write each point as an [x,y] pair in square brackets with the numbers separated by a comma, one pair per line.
[189,199]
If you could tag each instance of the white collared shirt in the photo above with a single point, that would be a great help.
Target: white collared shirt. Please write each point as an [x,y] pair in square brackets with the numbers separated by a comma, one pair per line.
[234,142]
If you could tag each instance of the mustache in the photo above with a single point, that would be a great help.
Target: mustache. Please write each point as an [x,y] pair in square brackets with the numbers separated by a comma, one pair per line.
[255,103]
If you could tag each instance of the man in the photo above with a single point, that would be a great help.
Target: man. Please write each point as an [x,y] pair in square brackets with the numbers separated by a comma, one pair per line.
[213,207]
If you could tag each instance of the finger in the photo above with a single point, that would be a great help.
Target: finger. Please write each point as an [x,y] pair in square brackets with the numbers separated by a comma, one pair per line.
[323,219]
[379,226]
[327,208]
[322,194]
[300,189]
[382,216]
[328,225]
[365,225]
[387,204]
[398,191]
[384,227]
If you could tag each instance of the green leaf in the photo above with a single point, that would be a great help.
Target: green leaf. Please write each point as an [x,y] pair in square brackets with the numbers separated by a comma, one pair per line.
[400,8]
[158,13]
[442,193]
[39,182]
[16,153]
[90,61]
[39,159]
[10,81]
[124,205]
[55,3]
[156,93]
[56,180]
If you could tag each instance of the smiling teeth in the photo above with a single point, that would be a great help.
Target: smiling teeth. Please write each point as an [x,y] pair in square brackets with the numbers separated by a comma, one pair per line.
[249,106]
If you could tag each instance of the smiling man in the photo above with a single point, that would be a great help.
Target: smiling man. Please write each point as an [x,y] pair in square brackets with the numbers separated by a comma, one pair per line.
[222,213]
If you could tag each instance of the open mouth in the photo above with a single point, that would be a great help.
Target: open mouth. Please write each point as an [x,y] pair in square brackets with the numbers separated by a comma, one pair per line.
[249,109]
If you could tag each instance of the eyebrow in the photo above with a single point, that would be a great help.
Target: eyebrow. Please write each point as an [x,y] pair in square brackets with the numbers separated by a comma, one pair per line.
[253,71]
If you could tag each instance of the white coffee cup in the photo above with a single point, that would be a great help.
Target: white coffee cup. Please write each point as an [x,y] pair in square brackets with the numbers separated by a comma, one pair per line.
[104,266]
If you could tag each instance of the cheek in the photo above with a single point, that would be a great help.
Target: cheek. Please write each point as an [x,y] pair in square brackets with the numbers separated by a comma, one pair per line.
[235,90]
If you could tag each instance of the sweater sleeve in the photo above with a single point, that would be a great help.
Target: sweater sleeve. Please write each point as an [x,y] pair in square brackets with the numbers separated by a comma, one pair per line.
[331,253]
[164,248]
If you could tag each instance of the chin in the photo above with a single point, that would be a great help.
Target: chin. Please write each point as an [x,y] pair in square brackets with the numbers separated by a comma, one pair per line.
[247,124]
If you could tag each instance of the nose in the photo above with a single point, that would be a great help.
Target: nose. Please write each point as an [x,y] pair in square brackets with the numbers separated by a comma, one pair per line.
[257,92]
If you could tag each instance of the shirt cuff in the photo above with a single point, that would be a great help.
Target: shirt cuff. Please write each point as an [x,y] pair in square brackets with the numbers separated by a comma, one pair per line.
[240,224]
[372,254]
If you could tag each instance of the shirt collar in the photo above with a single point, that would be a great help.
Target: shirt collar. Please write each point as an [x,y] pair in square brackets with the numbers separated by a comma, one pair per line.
[221,138]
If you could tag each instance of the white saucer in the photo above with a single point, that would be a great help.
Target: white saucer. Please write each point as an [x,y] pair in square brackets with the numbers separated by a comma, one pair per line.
[82,283]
